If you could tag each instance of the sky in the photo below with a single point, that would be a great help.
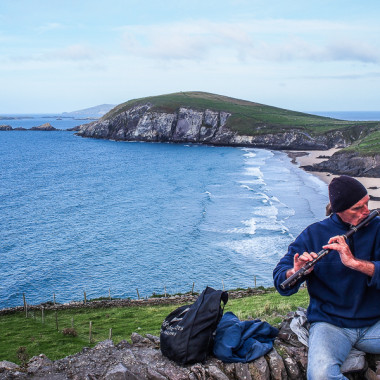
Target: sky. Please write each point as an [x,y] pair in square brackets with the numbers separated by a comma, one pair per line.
[316,55]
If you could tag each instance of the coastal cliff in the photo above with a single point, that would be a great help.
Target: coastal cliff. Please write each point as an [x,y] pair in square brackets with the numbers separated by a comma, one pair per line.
[186,125]
[203,118]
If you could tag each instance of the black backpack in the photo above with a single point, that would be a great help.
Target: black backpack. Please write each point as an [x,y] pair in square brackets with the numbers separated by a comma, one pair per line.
[187,333]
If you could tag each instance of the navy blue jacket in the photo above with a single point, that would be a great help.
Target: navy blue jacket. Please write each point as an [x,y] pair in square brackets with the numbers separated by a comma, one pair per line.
[338,295]
[242,341]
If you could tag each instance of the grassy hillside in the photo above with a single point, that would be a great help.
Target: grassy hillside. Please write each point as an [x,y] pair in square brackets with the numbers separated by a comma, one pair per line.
[248,117]
[367,146]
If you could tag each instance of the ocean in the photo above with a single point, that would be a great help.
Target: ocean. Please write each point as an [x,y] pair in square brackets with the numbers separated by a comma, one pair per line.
[133,219]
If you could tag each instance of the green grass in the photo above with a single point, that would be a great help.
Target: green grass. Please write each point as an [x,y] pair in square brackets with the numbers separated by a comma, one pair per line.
[270,307]
[32,337]
[367,146]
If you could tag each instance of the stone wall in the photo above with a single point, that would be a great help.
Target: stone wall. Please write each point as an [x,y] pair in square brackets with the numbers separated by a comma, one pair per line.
[142,359]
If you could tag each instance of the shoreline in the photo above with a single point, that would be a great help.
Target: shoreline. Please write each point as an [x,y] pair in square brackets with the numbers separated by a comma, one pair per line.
[311,157]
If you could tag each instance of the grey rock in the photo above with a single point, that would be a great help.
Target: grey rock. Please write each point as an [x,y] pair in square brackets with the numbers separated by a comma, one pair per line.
[292,369]
[242,371]
[120,372]
[259,369]
[137,339]
[215,373]
[154,339]
[5,365]
[276,366]
[39,363]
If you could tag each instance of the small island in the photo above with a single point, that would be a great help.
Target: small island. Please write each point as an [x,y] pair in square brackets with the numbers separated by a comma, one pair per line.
[43,127]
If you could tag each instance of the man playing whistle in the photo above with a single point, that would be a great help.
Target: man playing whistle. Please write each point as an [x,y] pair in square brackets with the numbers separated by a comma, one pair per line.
[344,285]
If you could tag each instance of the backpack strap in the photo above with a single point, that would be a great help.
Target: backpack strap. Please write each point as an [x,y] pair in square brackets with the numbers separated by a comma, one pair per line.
[224,298]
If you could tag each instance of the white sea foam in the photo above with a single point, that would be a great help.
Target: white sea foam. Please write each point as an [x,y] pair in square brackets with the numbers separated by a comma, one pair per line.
[262,248]
[250,227]
[259,181]
[254,171]
[250,155]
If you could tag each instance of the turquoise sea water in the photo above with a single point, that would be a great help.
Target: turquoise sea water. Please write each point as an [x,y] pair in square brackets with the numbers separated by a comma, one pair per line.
[91,215]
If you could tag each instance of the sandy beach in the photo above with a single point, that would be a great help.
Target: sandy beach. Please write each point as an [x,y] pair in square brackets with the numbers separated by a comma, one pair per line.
[314,156]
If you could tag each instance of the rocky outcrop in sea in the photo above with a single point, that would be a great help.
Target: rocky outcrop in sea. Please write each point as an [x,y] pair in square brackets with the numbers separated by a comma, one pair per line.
[43,127]
[185,125]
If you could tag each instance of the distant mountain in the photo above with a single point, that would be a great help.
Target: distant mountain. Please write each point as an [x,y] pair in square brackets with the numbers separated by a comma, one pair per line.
[92,112]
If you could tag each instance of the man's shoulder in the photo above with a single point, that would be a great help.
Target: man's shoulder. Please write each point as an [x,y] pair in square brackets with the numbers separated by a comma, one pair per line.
[327,222]
[319,228]
[375,223]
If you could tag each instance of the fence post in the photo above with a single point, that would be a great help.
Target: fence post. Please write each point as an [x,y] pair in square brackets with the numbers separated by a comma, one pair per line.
[25,305]
[90,333]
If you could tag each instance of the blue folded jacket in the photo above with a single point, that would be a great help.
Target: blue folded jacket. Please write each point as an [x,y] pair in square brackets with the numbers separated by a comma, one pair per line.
[242,341]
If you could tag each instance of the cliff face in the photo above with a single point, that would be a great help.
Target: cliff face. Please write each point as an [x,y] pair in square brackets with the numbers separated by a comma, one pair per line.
[185,125]
[349,163]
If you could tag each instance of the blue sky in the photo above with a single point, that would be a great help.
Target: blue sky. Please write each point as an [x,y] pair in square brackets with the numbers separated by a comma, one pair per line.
[58,56]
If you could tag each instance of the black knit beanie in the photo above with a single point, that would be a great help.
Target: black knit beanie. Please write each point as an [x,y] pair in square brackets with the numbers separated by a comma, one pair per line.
[344,192]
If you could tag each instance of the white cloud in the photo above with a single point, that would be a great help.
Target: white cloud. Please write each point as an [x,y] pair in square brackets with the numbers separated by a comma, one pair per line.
[271,40]
[353,51]
[76,52]
[47,27]
[358,76]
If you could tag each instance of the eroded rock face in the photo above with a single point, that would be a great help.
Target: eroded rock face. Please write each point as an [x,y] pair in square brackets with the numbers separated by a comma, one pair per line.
[142,359]
[350,164]
[142,123]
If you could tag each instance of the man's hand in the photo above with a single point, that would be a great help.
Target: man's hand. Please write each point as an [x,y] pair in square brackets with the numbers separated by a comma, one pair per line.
[338,243]
[300,261]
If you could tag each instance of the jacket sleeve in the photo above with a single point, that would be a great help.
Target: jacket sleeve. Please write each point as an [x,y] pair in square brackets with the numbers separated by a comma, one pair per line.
[286,263]
[375,279]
